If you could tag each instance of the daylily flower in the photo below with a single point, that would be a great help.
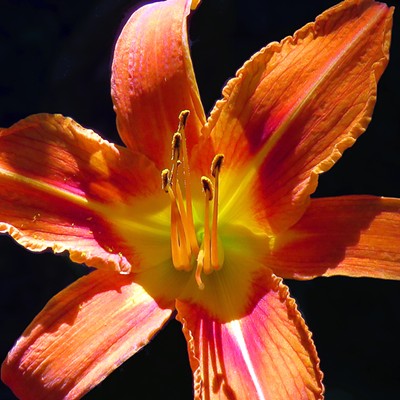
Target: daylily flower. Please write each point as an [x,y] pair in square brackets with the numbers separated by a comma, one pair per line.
[200,217]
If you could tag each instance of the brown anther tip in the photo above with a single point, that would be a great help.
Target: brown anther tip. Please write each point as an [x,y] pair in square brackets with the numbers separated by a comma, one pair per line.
[207,187]
[165,175]
[176,146]
[216,164]
[182,119]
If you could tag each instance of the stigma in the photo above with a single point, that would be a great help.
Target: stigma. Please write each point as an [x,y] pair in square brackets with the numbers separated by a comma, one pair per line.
[188,249]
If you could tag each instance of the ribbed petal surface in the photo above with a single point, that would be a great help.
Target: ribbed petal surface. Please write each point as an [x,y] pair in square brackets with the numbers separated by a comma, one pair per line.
[62,185]
[267,354]
[153,80]
[355,236]
[81,336]
[297,105]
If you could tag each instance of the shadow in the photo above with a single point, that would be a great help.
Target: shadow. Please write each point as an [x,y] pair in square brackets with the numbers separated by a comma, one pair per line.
[218,347]
[328,236]
[99,179]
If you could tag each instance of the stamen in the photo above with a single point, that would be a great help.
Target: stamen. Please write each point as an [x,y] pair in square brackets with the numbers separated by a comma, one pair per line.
[207,187]
[179,247]
[183,236]
[183,216]
[183,116]
[175,157]
[199,269]
[184,244]
[180,257]
[204,257]
[216,166]
[208,192]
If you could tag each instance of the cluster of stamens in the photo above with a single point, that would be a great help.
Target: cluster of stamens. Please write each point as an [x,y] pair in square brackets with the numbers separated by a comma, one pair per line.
[185,249]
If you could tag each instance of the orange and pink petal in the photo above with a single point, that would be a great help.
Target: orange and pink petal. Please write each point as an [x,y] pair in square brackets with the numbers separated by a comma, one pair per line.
[81,336]
[60,180]
[356,236]
[297,105]
[153,79]
[268,353]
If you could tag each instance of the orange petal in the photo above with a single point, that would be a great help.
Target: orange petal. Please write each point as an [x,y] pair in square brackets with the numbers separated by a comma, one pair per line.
[81,336]
[297,105]
[351,235]
[56,177]
[267,354]
[153,79]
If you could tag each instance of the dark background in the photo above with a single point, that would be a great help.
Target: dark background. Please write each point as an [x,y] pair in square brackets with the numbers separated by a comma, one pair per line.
[55,56]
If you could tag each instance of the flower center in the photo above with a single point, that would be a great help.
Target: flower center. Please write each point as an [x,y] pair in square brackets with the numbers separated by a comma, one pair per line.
[185,249]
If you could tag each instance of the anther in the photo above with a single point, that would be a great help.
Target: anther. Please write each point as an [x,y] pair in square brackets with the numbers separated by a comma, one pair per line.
[165,174]
[182,120]
[216,164]
[176,146]
[207,187]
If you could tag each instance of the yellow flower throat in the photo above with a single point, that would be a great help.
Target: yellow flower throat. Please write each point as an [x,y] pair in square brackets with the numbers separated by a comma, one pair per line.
[185,249]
